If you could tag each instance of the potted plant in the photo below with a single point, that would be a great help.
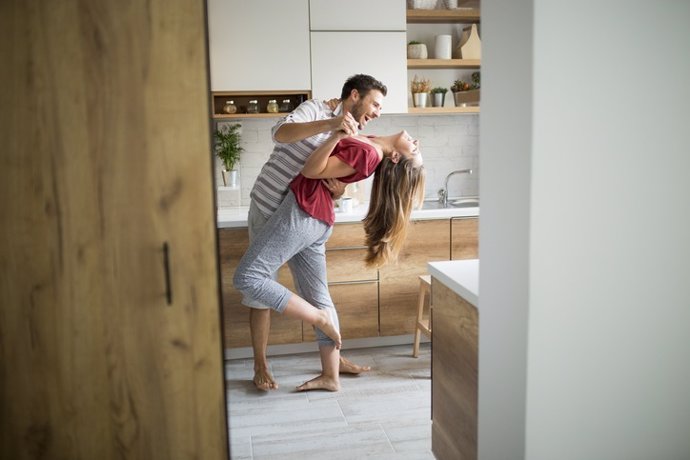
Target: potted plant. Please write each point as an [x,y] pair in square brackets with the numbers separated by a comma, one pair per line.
[465,92]
[438,96]
[228,149]
[416,50]
[420,89]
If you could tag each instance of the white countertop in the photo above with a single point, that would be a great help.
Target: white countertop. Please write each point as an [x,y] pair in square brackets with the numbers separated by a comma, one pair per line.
[461,276]
[237,216]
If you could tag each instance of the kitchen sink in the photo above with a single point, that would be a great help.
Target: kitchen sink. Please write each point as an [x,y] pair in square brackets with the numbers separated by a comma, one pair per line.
[471,202]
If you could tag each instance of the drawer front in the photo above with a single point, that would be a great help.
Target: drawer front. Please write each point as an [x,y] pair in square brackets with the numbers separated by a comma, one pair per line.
[345,265]
[358,311]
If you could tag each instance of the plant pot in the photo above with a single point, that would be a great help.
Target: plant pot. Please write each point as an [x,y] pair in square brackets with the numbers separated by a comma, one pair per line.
[465,98]
[417,51]
[230,178]
[421,4]
[419,99]
[438,99]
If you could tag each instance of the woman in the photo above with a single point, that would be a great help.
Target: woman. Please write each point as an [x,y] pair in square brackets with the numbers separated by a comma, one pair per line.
[297,232]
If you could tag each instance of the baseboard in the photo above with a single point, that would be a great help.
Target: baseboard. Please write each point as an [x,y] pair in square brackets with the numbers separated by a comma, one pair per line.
[297,348]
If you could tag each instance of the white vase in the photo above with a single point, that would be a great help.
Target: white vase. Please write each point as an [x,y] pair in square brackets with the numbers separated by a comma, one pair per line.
[419,99]
[443,48]
[417,51]
[230,178]
[438,99]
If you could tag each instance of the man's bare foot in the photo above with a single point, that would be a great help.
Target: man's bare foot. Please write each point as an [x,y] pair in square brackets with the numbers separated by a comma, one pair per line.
[320,383]
[327,328]
[348,367]
[264,380]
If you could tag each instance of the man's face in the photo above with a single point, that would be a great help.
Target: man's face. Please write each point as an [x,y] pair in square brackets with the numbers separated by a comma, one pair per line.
[366,108]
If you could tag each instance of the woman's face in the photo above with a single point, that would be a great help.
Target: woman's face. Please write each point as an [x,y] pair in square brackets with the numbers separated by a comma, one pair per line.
[408,147]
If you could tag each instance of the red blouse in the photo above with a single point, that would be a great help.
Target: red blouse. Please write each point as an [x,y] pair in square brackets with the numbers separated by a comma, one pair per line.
[313,196]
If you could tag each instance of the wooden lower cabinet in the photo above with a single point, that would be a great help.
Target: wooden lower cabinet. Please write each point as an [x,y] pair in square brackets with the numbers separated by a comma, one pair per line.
[358,310]
[427,241]
[464,238]
[454,375]
[370,302]
[233,242]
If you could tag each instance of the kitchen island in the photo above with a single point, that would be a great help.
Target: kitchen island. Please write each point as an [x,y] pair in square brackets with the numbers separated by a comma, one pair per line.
[454,358]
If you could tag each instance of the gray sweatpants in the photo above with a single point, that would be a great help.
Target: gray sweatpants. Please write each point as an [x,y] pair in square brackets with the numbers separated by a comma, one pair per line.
[293,236]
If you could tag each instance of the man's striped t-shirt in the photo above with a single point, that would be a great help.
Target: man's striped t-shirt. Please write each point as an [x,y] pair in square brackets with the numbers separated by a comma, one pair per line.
[287,160]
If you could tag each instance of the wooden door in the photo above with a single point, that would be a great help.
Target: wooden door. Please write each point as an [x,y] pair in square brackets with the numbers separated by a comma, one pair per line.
[105,141]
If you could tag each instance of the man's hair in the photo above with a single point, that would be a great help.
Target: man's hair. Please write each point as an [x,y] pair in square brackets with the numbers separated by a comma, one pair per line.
[363,84]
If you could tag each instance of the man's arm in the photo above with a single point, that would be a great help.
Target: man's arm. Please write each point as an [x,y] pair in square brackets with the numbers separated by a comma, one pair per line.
[294,132]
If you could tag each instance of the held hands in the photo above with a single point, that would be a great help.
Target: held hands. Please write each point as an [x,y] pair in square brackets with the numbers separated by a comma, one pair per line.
[347,126]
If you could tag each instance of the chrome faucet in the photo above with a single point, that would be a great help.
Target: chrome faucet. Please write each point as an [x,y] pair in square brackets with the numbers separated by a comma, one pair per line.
[443,193]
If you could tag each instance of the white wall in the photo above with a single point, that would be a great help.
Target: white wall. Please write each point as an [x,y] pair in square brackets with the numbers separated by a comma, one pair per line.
[447,143]
[601,284]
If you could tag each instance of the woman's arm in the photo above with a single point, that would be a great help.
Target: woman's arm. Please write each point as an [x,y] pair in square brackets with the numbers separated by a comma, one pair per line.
[321,165]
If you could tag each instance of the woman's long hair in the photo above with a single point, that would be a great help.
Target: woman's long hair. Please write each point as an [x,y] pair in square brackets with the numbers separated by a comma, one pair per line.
[397,188]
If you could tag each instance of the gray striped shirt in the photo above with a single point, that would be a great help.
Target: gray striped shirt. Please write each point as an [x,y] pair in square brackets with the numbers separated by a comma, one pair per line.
[287,160]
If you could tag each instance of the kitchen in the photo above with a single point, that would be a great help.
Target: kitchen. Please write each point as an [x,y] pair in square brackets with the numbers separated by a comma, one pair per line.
[375,307]
[583,339]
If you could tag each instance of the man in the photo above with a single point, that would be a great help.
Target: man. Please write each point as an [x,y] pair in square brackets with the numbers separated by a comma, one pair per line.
[296,136]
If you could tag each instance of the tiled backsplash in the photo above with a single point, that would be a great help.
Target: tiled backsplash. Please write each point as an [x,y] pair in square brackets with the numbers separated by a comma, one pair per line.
[447,142]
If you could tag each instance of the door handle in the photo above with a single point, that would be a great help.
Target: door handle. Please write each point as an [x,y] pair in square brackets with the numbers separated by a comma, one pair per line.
[166,268]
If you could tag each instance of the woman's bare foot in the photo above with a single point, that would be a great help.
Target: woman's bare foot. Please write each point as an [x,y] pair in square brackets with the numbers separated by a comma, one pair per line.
[348,367]
[320,383]
[264,380]
[324,323]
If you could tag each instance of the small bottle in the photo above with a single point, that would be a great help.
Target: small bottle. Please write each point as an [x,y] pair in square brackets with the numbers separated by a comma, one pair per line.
[253,106]
[272,106]
[286,106]
[230,107]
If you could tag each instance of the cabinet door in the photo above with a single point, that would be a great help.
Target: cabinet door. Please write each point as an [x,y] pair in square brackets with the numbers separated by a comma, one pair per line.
[110,342]
[233,243]
[427,241]
[359,15]
[336,56]
[259,45]
[358,311]
[464,238]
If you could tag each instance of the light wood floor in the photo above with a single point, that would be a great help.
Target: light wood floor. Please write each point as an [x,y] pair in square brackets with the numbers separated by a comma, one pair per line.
[382,414]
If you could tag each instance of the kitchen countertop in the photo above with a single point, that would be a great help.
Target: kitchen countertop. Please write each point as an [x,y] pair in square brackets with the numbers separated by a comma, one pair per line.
[237,216]
[460,276]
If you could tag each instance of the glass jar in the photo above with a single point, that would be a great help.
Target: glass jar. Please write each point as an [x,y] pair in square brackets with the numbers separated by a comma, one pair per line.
[272,106]
[286,106]
[253,106]
[230,107]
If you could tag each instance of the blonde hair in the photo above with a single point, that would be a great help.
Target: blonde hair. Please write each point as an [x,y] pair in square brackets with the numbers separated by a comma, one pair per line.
[397,188]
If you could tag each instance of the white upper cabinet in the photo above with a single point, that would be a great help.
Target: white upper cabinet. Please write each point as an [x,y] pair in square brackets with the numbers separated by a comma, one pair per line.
[339,55]
[358,15]
[259,45]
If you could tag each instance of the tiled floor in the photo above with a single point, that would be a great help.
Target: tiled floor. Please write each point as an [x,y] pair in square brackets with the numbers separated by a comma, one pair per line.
[383,414]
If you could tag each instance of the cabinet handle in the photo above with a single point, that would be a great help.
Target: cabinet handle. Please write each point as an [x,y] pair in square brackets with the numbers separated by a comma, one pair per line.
[166,268]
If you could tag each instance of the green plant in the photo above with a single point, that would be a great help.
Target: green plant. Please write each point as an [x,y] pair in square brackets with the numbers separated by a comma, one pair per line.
[461,85]
[414,42]
[439,90]
[228,146]
[420,86]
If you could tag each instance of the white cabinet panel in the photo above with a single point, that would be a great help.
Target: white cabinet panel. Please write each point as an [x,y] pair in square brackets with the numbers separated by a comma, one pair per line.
[259,45]
[358,15]
[335,56]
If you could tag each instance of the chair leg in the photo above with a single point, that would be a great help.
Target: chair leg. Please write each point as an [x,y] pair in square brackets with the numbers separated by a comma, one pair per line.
[420,312]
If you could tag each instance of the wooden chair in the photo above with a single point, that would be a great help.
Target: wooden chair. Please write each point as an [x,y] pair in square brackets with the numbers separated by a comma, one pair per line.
[422,325]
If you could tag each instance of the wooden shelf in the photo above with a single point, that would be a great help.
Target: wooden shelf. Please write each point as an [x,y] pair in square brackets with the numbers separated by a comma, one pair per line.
[443,63]
[442,110]
[458,15]
[241,99]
